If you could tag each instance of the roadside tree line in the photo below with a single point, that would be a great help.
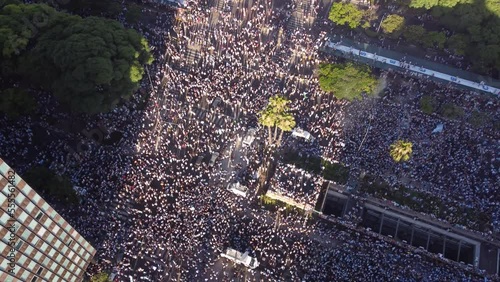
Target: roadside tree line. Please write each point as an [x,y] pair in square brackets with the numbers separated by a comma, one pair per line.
[90,64]
[474,27]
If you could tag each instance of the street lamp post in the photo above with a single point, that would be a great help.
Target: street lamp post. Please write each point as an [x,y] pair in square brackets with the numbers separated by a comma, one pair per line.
[380,24]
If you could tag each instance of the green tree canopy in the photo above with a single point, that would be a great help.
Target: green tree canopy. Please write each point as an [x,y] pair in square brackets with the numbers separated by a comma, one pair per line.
[91,7]
[414,33]
[393,24]
[267,118]
[493,6]
[134,13]
[434,39]
[457,43]
[16,102]
[89,64]
[346,81]
[477,24]
[345,14]
[7,2]
[21,23]
[401,151]
[43,179]
[432,3]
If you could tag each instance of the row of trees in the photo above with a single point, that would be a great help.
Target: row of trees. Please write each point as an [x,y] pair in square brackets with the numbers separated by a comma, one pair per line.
[491,5]
[15,102]
[45,180]
[107,8]
[475,27]
[90,64]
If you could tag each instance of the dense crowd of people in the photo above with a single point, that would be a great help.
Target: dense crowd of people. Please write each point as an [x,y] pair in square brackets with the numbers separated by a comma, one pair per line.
[295,183]
[180,219]
[456,165]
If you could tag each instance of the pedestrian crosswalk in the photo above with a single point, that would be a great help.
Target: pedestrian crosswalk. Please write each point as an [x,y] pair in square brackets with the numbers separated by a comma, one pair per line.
[192,56]
[295,21]
[219,4]
[217,120]
[301,14]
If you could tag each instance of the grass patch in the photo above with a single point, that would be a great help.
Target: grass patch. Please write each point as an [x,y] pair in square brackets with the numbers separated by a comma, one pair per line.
[428,104]
[274,205]
[310,164]
[451,111]
[478,119]
[335,172]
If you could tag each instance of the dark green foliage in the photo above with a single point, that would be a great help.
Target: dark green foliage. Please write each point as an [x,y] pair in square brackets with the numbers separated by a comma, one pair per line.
[451,111]
[457,43]
[477,28]
[311,164]
[43,179]
[335,171]
[16,102]
[133,13]
[94,7]
[8,2]
[414,33]
[90,64]
[432,3]
[434,39]
[20,24]
[346,81]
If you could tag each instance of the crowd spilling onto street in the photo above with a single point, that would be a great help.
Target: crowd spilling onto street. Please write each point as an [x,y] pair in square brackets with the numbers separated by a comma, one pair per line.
[179,220]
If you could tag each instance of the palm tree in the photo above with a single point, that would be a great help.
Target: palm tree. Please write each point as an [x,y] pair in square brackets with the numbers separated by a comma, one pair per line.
[401,150]
[268,119]
[285,122]
[278,104]
[276,114]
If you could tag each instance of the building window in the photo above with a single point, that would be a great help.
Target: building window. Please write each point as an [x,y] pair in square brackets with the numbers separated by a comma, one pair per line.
[69,243]
[40,214]
[39,271]
[19,244]
[34,279]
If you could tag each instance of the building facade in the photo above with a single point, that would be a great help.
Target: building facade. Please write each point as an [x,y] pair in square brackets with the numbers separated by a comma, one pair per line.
[37,244]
